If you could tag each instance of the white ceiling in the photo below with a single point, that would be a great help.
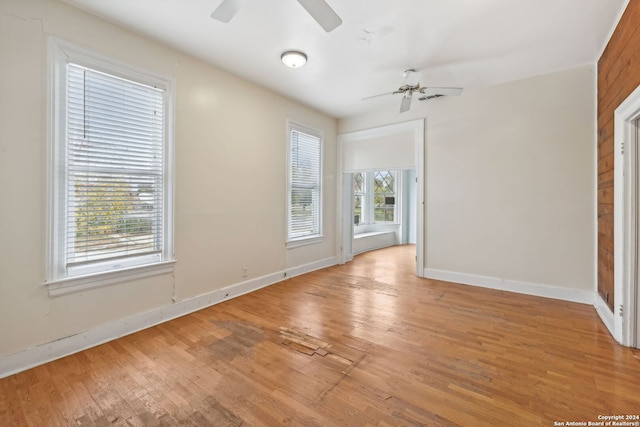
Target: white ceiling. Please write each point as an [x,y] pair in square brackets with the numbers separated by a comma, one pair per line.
[465,43]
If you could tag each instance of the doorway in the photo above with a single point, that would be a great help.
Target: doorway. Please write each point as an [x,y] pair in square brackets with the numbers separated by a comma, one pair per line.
[626,318]
[383,208]
[393,147]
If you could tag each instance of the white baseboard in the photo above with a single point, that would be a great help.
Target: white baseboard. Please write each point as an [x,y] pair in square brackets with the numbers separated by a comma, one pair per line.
[535,289]
[606,315]
[29,358]
[313,266]
[374,248]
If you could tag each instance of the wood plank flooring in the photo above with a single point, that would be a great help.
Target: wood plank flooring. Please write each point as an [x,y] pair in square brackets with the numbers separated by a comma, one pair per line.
[364,344]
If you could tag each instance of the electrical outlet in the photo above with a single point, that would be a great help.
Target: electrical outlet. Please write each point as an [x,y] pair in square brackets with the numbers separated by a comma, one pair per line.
[245,271]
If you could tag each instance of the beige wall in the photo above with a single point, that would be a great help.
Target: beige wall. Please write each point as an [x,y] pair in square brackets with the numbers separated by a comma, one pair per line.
[510,179]
[230,144]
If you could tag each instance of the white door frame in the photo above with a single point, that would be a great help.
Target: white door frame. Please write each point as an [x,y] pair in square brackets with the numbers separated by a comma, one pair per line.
[345,229]
[626,214]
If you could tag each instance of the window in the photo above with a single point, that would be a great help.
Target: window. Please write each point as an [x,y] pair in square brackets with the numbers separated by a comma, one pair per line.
[374,194]
[384,196]
[304,177]
[110,194]
[359,201]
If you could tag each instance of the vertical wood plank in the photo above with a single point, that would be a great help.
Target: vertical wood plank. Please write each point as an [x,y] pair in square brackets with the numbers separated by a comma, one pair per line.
[618,76]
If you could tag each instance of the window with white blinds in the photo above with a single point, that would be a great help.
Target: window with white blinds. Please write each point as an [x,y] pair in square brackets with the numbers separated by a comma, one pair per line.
[305,174]
[111,193]
[115,158]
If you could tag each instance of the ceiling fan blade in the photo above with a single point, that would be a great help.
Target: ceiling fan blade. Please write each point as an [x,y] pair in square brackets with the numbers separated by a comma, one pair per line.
[406,103]
[322,13]
[440,91]
[379,95]
[227,10]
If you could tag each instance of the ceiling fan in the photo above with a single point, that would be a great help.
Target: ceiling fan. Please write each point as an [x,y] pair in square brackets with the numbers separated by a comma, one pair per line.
[318,9]
[424,92]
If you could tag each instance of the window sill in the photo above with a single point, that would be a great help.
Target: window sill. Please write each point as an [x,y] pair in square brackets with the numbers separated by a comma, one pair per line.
[82,283]
[372,234]
[304,241]
[381,223]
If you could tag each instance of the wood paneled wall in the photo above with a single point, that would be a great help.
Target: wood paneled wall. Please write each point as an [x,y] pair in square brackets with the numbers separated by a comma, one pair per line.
[618,76]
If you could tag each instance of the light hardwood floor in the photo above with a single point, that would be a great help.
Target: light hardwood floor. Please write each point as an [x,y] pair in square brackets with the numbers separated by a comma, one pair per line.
[364,344]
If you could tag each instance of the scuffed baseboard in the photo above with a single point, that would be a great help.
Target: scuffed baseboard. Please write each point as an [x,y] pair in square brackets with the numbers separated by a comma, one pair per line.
[29,358]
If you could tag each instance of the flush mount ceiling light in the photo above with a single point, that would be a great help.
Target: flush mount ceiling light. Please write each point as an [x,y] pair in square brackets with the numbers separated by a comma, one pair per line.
[293,59]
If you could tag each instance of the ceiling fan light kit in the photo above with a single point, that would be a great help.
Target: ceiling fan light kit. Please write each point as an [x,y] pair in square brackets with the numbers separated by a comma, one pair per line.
[293,58]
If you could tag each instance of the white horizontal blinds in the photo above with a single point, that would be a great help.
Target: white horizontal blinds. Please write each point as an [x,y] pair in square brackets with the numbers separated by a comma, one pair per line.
[114,163]
[304,216]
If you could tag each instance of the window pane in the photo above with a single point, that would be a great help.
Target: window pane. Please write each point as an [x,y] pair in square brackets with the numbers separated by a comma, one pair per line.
[359,203]
[388,215]
[357,209]
[115,160]
[384,196]
[304,181]
[358,182]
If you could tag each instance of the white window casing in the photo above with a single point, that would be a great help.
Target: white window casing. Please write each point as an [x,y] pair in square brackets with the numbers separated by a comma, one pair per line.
[110,177]
[304,185]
